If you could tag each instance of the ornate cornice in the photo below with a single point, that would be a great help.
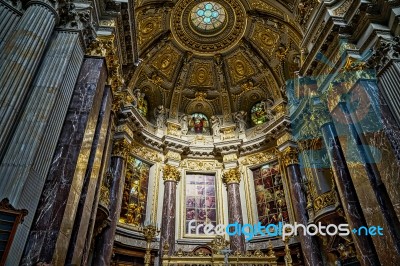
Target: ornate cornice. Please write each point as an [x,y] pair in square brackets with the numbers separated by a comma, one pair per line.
[171,173]
[231,176]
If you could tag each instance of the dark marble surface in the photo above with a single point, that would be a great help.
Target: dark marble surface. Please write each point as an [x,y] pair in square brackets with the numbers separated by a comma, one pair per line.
[237,242]
[365,249]
[49,236]
[309,245]
[168,217]
[105,241]
[85,206]
[374,177]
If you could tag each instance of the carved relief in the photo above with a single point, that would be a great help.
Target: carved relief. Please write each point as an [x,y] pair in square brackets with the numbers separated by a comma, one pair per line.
[148,28]
[265,38]
[166,60]
[201,75]
[239,67]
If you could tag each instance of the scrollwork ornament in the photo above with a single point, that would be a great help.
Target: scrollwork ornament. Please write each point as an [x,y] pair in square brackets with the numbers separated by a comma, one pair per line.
[171,173]
[231,176]
[290,156]
[121,148]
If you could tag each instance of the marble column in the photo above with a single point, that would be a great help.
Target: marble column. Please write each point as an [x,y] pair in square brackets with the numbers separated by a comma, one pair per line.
[309,244]
[105,241]
[171,176]
[50,233]
[365,249]
[19,60]
[374,177]
[231,179]
[34,139]
[85,206]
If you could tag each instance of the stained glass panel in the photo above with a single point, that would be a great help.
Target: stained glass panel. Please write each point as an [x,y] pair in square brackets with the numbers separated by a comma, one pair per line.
[199,124]
[208,15]
[258,114]
[200,201]
[270,195]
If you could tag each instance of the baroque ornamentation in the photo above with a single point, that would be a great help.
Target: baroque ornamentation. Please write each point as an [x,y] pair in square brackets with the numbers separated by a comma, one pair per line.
[290,155]
[121,148]
[144,152]
[171,173]
[231,176]
[265,38]
[258,158]
[325,200]
[239,67]
[148,28]
[166,60]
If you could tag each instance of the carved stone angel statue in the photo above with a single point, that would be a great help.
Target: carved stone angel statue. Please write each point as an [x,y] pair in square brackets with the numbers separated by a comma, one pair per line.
[215,125]
[160,113]
[184,122]
[267,107]
[240,119]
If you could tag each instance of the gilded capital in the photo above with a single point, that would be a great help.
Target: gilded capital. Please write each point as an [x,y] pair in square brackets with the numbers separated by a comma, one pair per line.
[121,148]
[321,116]
[231,176]
[171,173]
[290,156]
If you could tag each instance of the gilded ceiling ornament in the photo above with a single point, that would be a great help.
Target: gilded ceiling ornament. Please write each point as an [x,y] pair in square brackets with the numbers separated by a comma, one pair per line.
[265,38]
[231,176]
[239,67]
[171,173]
[208,27]
[201,74]
[263,6]
[148,28]
[200,95]
[165,61]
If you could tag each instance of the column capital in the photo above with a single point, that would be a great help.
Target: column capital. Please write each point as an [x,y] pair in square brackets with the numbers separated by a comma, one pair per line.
[289,156]
[121,148]
[171,173]
[231,176]
[320,115]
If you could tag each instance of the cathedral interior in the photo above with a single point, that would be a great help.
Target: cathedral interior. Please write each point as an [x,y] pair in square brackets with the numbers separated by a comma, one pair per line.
[130,128]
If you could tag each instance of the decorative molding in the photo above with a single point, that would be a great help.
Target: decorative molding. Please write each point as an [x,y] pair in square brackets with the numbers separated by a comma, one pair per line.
[231,176]
[171,173]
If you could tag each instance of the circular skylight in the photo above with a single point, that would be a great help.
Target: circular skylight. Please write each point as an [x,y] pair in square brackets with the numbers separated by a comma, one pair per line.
[208,15]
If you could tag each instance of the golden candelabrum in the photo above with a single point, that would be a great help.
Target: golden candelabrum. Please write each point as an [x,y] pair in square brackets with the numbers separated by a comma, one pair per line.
[149,231]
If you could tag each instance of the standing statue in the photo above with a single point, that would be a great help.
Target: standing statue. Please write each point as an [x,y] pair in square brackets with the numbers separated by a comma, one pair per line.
[266,105]
[160,113]
[215,125]
[184,121]
[240,119]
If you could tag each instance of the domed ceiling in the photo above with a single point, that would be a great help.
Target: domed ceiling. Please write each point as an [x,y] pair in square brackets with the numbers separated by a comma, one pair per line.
[214,57]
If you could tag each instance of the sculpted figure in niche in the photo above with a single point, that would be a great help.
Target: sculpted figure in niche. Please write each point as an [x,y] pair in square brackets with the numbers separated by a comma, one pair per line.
[160,113]
[240,119]
[267,105]
[184,122]
[215,125]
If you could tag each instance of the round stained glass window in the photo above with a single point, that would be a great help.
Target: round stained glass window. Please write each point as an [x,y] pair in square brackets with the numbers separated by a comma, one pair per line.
[208,16]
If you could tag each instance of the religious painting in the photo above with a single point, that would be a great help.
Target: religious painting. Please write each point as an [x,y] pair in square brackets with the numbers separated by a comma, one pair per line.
[199,124]
[200,201]
[270,195]
[258,114]
[134,200]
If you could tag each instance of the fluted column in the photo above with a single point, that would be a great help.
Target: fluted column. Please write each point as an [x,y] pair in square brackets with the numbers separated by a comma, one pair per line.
[309,245]
[9,20]
[171,176]
[105,241]
[365,249]
[231,179]
[19,60]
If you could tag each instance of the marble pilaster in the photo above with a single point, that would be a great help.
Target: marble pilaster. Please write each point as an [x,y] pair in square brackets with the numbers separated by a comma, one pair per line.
[105,241]
[19,60]
[355,218]
[171,176]
[50,234]
[309,245]
[34,139]
[373,175]
[85,206]
[231,179]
